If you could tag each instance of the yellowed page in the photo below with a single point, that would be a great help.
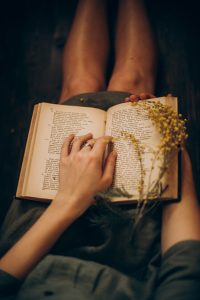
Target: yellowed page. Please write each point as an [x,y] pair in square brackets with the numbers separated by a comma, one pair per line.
[55,123]
[132,119]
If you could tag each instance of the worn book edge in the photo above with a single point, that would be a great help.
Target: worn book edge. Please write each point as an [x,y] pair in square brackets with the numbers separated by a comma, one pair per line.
[28,149]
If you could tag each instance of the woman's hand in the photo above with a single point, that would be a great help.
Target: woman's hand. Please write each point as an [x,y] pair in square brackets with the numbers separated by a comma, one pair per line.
[82,173]
[137,97]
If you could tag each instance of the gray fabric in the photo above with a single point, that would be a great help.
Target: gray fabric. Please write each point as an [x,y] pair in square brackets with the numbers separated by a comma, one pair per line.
[103,255]
[72,278]
[60,277]
[102,100]
[9,286]
[179,274]
[104,234]
[21,215]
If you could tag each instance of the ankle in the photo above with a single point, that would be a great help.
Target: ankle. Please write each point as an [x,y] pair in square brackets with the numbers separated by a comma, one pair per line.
[132,82]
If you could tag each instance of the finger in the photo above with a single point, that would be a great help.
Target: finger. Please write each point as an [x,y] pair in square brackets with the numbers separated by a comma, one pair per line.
[152,96]
[141,96]
[65,146]
[100,146]
[144,96]
[132,98]
[78,142]
[88,145]
[109,169]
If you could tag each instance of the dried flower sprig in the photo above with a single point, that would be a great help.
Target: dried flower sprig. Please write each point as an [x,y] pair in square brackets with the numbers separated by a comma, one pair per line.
[139,148]
[170,125]
[172,129]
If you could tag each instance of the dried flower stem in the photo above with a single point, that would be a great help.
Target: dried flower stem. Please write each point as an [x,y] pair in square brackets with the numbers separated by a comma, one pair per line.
[172,130]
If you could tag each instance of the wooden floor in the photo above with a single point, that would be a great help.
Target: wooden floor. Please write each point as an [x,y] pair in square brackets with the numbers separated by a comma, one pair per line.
[32,38]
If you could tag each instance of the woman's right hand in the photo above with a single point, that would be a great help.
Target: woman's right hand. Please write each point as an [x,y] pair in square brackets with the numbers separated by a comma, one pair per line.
[81,173]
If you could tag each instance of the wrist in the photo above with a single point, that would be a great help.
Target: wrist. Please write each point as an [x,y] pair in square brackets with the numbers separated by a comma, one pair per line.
[66,206]
[62,211]
[72,206]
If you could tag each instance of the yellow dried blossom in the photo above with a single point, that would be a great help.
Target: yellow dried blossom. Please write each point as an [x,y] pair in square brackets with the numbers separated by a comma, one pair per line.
[170,125]
[139,150]
[172,129]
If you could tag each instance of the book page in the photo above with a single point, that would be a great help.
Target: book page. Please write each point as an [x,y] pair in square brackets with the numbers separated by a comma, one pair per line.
[56,122]
[135,120]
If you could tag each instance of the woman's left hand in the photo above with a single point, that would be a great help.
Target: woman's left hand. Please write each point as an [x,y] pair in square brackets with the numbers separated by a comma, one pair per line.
[137,97]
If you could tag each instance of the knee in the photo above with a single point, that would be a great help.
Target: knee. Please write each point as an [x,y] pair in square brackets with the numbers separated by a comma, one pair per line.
[81,84]
[133,82]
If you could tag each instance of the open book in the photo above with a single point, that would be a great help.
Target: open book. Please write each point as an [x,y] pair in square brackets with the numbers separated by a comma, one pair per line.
[51,123]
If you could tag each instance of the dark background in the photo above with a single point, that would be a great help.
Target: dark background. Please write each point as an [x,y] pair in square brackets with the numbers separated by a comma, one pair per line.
[32,37]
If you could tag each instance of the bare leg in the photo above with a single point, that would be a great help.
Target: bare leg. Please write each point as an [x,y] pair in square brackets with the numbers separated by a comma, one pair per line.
[86,50]
[181,221]
[135,66]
